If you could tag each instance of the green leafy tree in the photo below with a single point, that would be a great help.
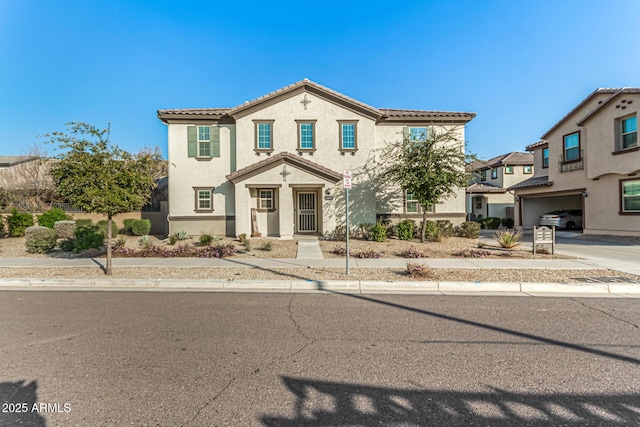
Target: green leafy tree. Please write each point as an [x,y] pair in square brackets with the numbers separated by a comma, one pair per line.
[95,175]
[431,167]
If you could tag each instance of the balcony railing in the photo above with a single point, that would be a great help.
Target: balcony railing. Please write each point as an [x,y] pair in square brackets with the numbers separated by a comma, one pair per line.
[572,165]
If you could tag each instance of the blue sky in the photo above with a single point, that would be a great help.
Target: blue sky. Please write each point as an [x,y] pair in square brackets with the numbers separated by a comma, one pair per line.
[520,65]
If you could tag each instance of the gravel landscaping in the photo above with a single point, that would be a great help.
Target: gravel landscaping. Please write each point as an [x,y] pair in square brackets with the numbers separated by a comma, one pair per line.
[393,248]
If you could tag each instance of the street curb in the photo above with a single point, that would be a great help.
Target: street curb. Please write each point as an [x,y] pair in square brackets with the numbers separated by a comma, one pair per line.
[326,286]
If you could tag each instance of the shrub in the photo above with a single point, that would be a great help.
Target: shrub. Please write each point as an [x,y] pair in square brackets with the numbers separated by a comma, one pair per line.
[431,230]
[40,239]
[141,227]
[379,233]
[341,250]
[224,250]
[481,223]
[84,222]
[119,243]
[367,253]
[419,271]
[472,253]
[267,247]
[242,237]
[86,237]
[49,218]
[412,252]
[405,229]
[127,224]
[145,241]
[182,235]
[468,230]
[206,239]
[508,222]
[542,249]
[247,244]
[102,226]
[508,238]
[363,231]
[340,233]
[446,227]
[173,239]
[18,222]
[64,229]
[492,222]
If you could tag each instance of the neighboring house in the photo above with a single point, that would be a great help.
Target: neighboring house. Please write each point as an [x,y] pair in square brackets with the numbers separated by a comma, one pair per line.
[487,196]
[589,160]
[274,166]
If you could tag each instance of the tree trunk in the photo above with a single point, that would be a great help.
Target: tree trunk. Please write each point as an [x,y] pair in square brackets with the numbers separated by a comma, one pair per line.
[424,225]
[107,269]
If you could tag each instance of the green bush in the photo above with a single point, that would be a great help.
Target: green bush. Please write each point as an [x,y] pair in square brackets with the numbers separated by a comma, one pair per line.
[173,239]
[508,222]
[141,227]
[206,239]
[84,223]
[405,229]
[340,233]
[432,231]
[468,229]
[446,227]
[242,237]
[379,233]
[64,229]
[102,226]
[182,235]
[40,239]
[508,238]
[492,222]
[18,222]
[86,237]
[49,218]
[127,224]
[363,231]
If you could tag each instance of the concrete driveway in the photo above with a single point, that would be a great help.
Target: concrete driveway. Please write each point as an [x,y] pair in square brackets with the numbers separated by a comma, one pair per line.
[614,255]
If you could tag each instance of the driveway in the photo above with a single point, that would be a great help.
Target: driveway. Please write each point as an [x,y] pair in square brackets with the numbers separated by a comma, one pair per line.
[614,255]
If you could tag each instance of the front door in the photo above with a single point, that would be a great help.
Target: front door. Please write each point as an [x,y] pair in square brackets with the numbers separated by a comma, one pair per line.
[307,213]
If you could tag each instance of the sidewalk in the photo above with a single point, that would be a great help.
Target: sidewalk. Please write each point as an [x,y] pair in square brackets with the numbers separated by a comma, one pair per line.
[618,290]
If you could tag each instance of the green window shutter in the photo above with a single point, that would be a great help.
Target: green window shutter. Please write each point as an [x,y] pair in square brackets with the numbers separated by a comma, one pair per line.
[192,141]
[405,133]
[214,134]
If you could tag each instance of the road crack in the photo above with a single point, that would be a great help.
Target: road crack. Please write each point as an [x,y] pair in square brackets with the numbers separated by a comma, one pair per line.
[606,313]
[210,401]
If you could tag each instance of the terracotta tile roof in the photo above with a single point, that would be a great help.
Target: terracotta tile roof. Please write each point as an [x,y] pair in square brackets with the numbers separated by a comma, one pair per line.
[484,188]
[539,181]
[285,157]
[513,158]
[613,92]
[318,89]
[392,112]
[536,145]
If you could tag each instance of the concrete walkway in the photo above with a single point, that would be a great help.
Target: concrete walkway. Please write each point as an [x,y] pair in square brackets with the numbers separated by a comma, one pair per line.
[308,248]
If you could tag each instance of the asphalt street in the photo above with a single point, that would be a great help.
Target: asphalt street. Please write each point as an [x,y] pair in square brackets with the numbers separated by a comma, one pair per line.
[205,359]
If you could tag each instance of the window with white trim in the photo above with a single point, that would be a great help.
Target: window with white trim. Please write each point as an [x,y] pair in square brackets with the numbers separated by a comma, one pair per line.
[418,134]
[630,196]
[204,141]
[265,199]
[203,199]
[411,203]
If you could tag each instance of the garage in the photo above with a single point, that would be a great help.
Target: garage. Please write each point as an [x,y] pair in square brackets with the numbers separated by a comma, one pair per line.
[531,206]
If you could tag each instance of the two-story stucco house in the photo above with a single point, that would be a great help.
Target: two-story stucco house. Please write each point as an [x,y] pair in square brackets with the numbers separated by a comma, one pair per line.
[274,166]
[487,196]
[589,160]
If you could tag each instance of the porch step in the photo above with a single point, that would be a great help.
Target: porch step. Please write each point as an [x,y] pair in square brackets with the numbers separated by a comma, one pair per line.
[308,249]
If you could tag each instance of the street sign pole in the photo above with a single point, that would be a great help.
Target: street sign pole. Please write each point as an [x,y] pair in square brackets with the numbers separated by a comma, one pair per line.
[346,182]
[346,191]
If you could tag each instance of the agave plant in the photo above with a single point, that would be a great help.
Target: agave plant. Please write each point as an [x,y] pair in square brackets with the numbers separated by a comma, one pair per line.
[508,238]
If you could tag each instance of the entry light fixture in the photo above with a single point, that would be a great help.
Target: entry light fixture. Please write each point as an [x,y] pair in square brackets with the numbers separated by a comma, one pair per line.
[585,194]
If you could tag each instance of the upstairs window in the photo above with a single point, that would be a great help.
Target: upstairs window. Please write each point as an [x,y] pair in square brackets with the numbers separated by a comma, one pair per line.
[508,170]
[483,175]
[263,135]
[418,134]
[545,157]
[571,147]
[306,135]
[527,169]
[494,173]
[204,139]
[629,132]
[348,136]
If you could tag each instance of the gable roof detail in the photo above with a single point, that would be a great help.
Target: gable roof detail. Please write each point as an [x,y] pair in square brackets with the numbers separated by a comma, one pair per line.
[531,147]
[330,95]
[285,158]
[509,159]
[484,188]
[612,92]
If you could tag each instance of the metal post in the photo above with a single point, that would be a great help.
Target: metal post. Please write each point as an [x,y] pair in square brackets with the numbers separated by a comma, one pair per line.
[347,226]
